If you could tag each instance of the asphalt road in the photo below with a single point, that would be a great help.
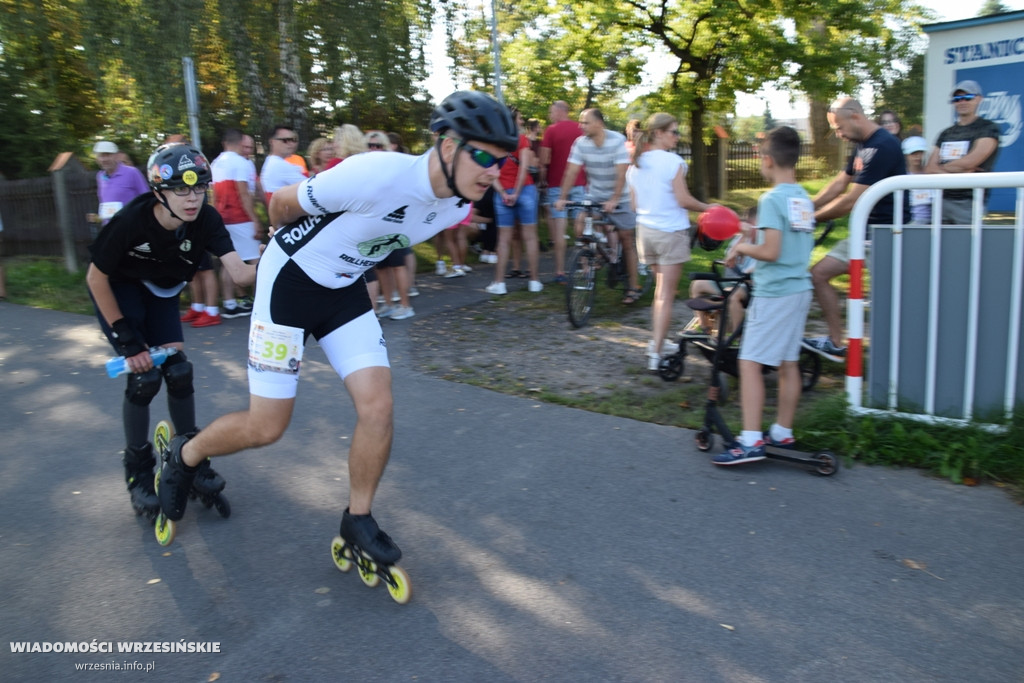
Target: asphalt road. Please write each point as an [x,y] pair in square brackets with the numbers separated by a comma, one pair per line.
[543,543]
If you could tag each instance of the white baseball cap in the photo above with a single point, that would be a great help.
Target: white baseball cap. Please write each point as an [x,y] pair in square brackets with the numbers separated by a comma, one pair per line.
[969,87]
[104,147]
[915,143]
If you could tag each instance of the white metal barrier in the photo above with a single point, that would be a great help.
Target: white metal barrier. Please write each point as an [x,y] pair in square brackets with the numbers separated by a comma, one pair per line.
[979,182]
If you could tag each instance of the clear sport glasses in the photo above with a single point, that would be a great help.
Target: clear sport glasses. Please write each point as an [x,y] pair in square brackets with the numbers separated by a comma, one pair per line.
[185,190]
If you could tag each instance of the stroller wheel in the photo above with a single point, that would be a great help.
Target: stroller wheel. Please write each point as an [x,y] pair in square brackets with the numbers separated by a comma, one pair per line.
[703,439]
[671,367]
[810,368]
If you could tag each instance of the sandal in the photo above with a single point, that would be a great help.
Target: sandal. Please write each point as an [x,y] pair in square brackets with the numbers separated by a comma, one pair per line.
[632,296]
[514,274]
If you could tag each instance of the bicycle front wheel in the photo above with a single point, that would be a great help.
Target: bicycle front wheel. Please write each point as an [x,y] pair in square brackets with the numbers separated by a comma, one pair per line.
[580,290]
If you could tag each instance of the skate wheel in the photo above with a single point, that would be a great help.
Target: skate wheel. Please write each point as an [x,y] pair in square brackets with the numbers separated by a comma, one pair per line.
[368,571]
[399,586]
[703,439]
[162,435]
[164,530]
[223,507]
[341,555]
[828,464]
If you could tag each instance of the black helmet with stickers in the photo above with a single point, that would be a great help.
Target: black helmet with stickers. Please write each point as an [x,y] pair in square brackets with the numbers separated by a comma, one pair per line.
[175,165]
[473,115]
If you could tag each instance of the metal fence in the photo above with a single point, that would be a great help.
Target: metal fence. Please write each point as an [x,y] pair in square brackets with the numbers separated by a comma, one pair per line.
[29,213]
[743,166]
[947,308]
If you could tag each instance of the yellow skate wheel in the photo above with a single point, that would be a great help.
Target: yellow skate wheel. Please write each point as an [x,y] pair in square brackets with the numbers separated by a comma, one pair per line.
[399,587]
[164,530]
[368,571]
[341,555]
[162,436]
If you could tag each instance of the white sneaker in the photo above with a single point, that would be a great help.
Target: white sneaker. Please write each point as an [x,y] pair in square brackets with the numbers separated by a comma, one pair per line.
[653,362]
[384,311]
[440,268]
[535,286]
[395,298]
[402,312]
[381,300]
[455,272]
[464,268]
[496,288]
[489,258]
[413,291]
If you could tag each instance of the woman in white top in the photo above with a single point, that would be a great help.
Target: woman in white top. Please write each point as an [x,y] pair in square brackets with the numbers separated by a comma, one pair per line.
[657,185]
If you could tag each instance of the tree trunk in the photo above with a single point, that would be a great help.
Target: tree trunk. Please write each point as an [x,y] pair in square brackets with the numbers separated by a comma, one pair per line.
[294,99]
[697,180]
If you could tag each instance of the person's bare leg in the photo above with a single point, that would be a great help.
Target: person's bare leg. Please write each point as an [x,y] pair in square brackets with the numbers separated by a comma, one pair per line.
[532,247]
[628,238]
[751,395]
[822,273]
[664,296]
[790,387]
[370,389]
[556,232]
[262,424]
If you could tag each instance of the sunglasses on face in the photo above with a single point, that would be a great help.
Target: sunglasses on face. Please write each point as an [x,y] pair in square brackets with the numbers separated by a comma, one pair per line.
[289,140]
[375,145]
[185,190]
[888,122]
[963,98]
[482,158]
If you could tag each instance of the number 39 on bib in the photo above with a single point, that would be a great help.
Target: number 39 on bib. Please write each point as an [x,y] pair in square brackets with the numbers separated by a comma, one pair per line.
[275,348]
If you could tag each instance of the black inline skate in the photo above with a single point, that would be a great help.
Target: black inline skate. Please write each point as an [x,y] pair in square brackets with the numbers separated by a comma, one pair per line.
[138,475]
[207,487]
[361,542]
[174,483]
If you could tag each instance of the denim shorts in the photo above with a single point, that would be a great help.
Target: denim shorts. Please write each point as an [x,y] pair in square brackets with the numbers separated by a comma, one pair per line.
[524,210]
[576,194]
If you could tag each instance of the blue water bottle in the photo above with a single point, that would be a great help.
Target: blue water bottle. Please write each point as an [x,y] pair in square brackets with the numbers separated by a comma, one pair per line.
[116,366]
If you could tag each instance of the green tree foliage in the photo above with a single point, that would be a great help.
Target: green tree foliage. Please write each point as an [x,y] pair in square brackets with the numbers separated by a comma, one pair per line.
[75,71]
[905,94]
[992,7]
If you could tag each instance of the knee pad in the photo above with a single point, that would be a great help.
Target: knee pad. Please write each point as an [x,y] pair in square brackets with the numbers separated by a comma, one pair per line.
[178,372]
[143,387]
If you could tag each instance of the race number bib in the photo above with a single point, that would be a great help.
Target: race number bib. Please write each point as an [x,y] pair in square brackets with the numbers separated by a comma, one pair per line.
[921,197]
[275,348]
[951,151]
[108,209]
[801,214]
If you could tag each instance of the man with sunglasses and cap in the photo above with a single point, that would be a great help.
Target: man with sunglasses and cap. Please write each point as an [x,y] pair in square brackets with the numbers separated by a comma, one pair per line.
[330,229]
[970,145]
[141,260]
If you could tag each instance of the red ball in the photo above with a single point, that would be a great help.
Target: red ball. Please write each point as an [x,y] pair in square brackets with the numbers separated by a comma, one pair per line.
[719,223]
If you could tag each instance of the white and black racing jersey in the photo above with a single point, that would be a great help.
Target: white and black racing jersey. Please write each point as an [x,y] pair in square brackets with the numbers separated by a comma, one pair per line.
[360,211]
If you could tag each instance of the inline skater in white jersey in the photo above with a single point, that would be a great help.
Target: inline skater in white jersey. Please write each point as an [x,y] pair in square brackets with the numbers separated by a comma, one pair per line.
[330,229]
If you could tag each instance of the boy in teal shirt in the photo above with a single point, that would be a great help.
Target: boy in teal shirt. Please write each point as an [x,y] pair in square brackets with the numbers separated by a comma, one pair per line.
[774,323]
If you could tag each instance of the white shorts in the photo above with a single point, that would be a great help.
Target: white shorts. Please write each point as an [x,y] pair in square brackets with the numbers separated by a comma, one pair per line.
[342,320]
[247,246]
[774,327]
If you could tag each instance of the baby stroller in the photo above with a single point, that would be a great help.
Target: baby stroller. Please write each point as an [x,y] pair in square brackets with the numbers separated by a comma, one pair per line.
[717,345]
[710,342]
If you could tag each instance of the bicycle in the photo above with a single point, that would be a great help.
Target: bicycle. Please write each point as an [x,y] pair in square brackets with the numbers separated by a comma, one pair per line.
[596,249]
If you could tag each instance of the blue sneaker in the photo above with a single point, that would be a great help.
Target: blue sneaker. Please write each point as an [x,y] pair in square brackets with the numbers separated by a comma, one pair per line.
[737,454]
[788,442]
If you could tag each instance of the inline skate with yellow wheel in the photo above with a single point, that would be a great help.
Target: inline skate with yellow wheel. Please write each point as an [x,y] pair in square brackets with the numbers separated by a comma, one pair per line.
[361,543]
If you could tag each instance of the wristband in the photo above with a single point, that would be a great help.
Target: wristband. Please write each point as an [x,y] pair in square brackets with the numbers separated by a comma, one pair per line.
[124,337]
